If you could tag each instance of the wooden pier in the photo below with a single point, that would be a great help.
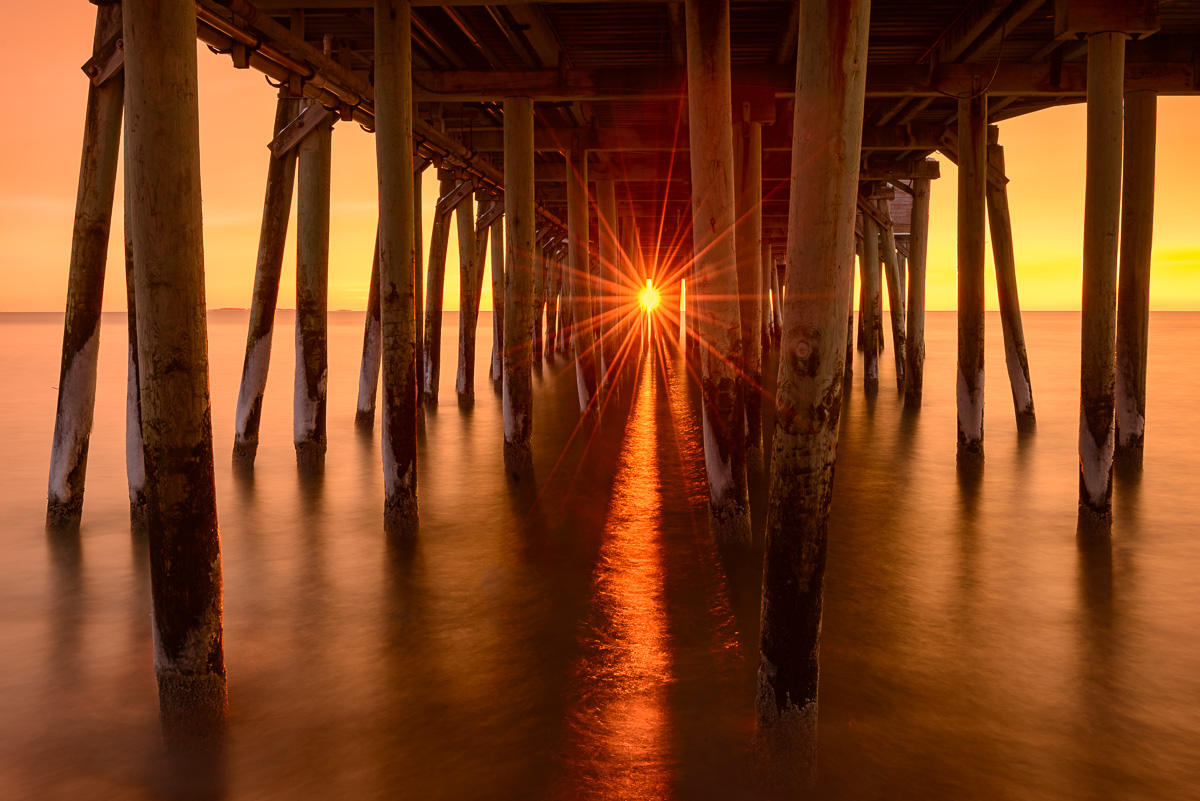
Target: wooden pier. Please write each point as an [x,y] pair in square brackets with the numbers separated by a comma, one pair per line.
[746,150]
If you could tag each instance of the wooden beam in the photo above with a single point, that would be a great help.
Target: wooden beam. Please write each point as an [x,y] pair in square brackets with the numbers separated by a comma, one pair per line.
[967,27]
[776,138]
[1143,73]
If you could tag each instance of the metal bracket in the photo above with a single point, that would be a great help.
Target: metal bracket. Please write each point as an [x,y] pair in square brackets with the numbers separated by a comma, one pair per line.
[450,201]
[107,61]
[295,131]
[490,216]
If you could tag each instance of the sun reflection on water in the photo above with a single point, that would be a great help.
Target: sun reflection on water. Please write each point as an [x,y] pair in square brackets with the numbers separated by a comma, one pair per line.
[620,741]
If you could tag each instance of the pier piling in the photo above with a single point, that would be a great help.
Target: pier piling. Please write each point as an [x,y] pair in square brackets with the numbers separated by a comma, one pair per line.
[312,296]
[830,88]
[580,278]
[368,372]
[972,179]
[469,263]
[1004,256]
[435,287]
[893,273]
[1101,223]
[871,325]
[914,318]
[162,155]
[747,234]
[1133,292]
[519,241]
[397,263]
[85,289]
[497,255]
[277,207]
[722,356]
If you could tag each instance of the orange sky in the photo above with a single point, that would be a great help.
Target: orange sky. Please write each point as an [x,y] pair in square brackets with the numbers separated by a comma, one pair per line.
[1044,154]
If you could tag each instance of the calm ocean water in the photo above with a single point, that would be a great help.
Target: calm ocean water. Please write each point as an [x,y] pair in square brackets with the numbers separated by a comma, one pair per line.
[584,639]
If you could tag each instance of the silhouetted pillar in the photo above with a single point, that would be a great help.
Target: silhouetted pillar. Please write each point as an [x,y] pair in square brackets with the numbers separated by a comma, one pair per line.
[397,263]
[518,289]
[972,179]
[1133,298]
[85,289]
[918,248]
[827,130]
[722,358]
[162,152]
[1004,256]
[1101,222]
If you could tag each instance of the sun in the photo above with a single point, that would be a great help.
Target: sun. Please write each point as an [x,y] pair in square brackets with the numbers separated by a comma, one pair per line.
[648,297]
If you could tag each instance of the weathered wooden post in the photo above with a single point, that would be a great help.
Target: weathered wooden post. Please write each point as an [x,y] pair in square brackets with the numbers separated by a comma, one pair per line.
[368,376]
[277,207]
[312,296]
[368,372]
[765,313]
[498,300]
[1004,256]
[610,280]
[418,283]
[918,248]
[539,299]
[162,152]
[397,263]
[85,288]
[484,205]
[711,132]
[830,86]
[519,235]
[972,180]
[862,300]
[554,285]
[895,288]
[747,237]
[435,287]
[1133,292]
[469,262]
[1101,223]
[579,273]
[135,455]
[488,209]
[628,310]
[848,370]
[777,303]
[868,312]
